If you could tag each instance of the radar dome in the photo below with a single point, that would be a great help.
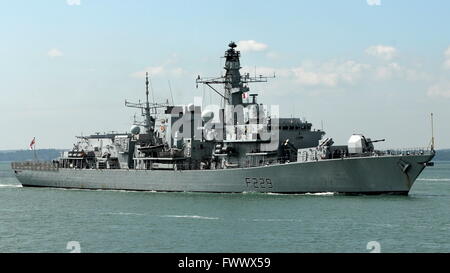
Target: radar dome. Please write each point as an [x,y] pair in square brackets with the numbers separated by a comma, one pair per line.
[207,115]
[135,130]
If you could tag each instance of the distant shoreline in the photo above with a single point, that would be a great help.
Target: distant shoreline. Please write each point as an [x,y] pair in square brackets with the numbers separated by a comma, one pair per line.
[24,155]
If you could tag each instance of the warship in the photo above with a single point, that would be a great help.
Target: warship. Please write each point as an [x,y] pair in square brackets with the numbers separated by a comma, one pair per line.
[238,146]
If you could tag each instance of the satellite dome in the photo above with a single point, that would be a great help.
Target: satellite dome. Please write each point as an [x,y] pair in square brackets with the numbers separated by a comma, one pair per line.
[135,130]
[207,115]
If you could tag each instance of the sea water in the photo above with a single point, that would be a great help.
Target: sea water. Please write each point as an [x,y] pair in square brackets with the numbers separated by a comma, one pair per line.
[58,220]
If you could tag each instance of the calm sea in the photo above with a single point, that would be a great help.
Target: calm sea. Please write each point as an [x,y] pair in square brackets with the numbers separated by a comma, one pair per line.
[46,220]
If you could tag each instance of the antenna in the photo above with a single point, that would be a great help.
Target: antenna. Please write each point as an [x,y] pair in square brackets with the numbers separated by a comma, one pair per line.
[146,85]
[147,105]
[151,87]
[432,133]
[170,88]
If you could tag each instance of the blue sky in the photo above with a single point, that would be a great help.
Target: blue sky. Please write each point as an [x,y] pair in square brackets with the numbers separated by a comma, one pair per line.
[376,67]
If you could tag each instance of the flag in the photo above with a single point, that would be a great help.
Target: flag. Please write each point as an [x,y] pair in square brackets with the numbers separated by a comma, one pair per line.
[245,95]
[33,142]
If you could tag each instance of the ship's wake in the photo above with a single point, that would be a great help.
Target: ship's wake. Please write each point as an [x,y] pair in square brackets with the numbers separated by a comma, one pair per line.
[11,186]
[276,220]
[434,179]
[125,213]
[307,194]
[191,216]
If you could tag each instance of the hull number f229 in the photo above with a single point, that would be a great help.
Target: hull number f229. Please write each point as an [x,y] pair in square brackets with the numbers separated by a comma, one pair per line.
[258,183]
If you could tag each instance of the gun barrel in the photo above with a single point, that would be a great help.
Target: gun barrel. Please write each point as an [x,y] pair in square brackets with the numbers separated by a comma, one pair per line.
[378,140]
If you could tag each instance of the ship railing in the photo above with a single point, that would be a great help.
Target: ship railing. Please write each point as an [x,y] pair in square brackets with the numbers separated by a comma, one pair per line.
[396,152]
[246,163]
[408,151]
[46,166]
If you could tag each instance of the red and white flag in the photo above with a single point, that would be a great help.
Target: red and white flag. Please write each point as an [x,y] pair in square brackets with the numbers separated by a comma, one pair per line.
[33,142]
[245,95]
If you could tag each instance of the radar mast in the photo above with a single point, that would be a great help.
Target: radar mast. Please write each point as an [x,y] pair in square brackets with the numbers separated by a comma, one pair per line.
[235,84]
[148,111]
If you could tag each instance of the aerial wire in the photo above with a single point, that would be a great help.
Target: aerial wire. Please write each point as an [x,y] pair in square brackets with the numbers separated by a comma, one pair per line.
[170,88]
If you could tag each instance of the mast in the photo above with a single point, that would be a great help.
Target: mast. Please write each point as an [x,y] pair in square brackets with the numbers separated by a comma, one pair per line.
[147,109]
[233,86]
[234,83]
[149,121]
[432,133]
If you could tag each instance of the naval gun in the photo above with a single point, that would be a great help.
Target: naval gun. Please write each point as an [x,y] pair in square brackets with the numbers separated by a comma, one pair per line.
[359,144]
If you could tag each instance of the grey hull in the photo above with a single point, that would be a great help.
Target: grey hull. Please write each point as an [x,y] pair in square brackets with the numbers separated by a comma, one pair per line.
[366,175]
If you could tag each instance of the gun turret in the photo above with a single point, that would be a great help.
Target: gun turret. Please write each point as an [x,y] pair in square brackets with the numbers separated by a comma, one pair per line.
[358,144]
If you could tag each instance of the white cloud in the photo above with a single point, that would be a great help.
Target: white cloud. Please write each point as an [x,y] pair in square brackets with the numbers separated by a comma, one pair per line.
[329,74]
[349,71]
[447,58]
[439,90]
[374,2]
[333,74]
[73,2]
[382,51]
[54,53]
[304,77]
[251,45]
[385,72]
[447,52]
[395,70]
[447,64]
